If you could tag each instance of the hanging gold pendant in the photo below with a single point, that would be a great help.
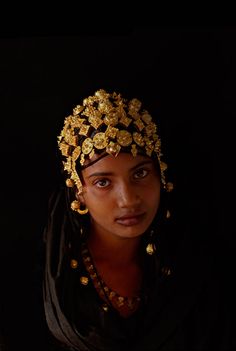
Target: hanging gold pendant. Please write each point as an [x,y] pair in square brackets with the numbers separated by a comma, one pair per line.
[150,249]
[84,280]
[73,263]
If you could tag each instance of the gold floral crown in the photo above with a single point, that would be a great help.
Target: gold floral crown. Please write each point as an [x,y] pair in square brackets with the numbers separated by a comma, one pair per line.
[107,123]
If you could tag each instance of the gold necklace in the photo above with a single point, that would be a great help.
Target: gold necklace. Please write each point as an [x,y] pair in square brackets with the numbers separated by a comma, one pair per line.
[110,296]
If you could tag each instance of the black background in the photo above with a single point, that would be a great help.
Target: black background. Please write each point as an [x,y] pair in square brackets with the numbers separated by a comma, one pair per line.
[185,75]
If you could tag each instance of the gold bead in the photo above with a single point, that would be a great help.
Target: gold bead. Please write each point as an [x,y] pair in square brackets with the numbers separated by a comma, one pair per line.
[169,186]
[75,205]
[73,263]
[168,214]
[84,280]
[69,183]
[150,249]
[105,307]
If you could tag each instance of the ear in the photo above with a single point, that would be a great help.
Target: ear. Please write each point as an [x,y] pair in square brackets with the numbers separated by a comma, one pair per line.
[80,197]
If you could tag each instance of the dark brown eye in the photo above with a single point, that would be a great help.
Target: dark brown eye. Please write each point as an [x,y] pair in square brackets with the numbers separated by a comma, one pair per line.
[102,183]
[141,173]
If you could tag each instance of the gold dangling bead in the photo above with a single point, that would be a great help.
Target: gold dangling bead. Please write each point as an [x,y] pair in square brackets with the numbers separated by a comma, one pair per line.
[168,214]
[84,280]
[150,249]
[105,307]
[169,187]
[69,183]
[73,263]
[75,205]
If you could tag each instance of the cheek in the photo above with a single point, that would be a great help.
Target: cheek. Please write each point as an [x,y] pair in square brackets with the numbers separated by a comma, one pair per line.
[154,197]
[96,202]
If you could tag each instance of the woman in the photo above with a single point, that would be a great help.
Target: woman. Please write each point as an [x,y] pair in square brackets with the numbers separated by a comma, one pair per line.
[114,277]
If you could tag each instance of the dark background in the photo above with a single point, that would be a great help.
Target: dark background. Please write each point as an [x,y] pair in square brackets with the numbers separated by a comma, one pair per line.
[185,75]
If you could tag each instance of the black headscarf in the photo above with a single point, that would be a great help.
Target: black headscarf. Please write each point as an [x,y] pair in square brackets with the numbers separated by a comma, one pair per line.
[58,236]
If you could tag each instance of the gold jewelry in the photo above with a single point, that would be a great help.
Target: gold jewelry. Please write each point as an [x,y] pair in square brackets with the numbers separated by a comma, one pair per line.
[75,205]
[150,249]
[84,280]
[73,263]
[110,296]
[107,122]
[168,214]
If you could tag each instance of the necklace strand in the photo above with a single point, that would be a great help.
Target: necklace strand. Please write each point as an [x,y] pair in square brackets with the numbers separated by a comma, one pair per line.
[111,297]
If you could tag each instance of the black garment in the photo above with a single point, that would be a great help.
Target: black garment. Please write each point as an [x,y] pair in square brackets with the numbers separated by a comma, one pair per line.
[189,309]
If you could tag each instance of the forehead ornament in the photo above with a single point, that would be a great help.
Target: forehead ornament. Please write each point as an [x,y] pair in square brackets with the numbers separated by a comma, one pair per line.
[107,122]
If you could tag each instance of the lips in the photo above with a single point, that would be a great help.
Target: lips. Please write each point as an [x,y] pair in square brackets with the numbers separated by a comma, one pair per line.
[130,219]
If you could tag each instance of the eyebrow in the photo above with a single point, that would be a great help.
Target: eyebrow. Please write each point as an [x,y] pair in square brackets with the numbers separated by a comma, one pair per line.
[111,173]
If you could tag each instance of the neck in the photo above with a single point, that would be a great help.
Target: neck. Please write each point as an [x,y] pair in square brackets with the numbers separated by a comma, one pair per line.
[118,251]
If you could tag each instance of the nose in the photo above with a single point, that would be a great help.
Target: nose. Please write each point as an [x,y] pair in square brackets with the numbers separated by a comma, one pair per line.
[128,196]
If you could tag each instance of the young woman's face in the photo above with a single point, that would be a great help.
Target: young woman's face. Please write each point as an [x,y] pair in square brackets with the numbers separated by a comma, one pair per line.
[122,195]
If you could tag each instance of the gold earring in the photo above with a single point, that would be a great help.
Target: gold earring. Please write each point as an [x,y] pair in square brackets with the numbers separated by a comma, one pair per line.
[150,249]
[75,205]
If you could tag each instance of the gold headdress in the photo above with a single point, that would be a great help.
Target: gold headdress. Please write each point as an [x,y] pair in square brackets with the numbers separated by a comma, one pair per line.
[107,122]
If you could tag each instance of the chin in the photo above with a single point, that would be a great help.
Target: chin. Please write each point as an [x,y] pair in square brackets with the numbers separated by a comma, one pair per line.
[132,232]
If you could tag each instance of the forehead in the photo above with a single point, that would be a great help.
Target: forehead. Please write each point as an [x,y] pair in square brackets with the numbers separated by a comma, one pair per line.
[124,162]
